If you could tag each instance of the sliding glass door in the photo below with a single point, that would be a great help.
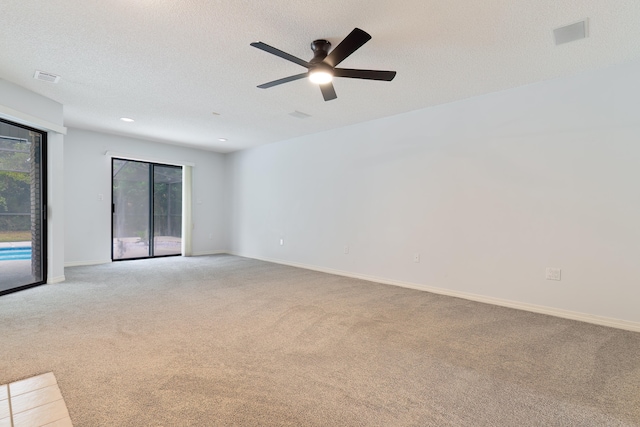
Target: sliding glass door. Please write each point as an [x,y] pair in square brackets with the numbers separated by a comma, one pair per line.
[23,228]
[167,210]
[131,206]
[147,209]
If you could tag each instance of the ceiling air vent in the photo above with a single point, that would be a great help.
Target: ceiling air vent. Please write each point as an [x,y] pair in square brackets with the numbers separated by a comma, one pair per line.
[46,77]
[299,115]
[570,33]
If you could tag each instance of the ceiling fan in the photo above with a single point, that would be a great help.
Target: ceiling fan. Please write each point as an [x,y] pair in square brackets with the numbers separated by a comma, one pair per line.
[322,68]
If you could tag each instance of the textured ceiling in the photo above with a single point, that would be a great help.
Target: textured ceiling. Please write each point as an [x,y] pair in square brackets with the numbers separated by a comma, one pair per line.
[171,64]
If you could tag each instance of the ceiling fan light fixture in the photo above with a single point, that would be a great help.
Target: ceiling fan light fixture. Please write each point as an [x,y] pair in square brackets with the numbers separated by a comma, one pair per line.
[320,76]
[322,67]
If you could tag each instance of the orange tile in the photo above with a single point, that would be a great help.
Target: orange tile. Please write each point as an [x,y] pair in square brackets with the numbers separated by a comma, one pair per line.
[65,422]
[33,399]
[42,415]
[31,384]
[4,409]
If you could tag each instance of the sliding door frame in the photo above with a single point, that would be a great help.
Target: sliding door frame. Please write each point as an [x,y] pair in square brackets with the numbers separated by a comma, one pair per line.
[43,255]
[151,223]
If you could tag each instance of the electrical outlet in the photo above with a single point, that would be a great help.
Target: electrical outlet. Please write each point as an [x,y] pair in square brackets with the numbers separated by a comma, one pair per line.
[416,257]
[281,242]
[553,273]
[100,197]
[346,249]
[211,236]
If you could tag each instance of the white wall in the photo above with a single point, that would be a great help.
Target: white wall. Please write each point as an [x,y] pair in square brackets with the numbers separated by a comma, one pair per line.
[27,102]
[55,208]
[490,191]
[25,107]
[87,174]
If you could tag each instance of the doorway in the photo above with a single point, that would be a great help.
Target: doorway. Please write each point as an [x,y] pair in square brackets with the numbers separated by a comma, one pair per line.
[146,210]
[23,207]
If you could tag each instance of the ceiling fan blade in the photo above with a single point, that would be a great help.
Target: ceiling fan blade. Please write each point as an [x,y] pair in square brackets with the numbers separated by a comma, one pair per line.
[277,52]
[364,74]
[283,80]
[328,91]
[350,44]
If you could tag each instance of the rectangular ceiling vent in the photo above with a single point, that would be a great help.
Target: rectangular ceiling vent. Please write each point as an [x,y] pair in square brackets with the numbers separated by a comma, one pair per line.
[46,77]
[570,33]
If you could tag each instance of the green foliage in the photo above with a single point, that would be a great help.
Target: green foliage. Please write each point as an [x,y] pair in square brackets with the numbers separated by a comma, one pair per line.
[15,156]
[16,163]
[15,197]
[131,197]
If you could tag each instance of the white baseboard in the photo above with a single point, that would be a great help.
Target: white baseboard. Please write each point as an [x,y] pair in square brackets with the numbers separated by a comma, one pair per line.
[208,253]
[82,263]
[57,279]
[107,261]
[551,311]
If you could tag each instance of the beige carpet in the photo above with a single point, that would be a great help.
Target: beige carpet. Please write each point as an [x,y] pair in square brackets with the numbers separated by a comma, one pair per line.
[223,340]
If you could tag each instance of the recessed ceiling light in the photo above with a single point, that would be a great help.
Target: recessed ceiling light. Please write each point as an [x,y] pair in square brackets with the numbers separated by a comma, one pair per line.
[127,119]
[222,139]
[215,114]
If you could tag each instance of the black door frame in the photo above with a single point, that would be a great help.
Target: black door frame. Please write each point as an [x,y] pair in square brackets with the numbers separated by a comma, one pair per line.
[43,209]
[151,209]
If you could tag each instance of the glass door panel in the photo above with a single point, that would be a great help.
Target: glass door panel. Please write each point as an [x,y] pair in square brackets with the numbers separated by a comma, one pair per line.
[22,207]
[167,210]
[131,209]
[146,196]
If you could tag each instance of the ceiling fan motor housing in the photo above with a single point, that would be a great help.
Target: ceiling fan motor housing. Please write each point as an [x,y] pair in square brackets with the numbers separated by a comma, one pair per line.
[320,50]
